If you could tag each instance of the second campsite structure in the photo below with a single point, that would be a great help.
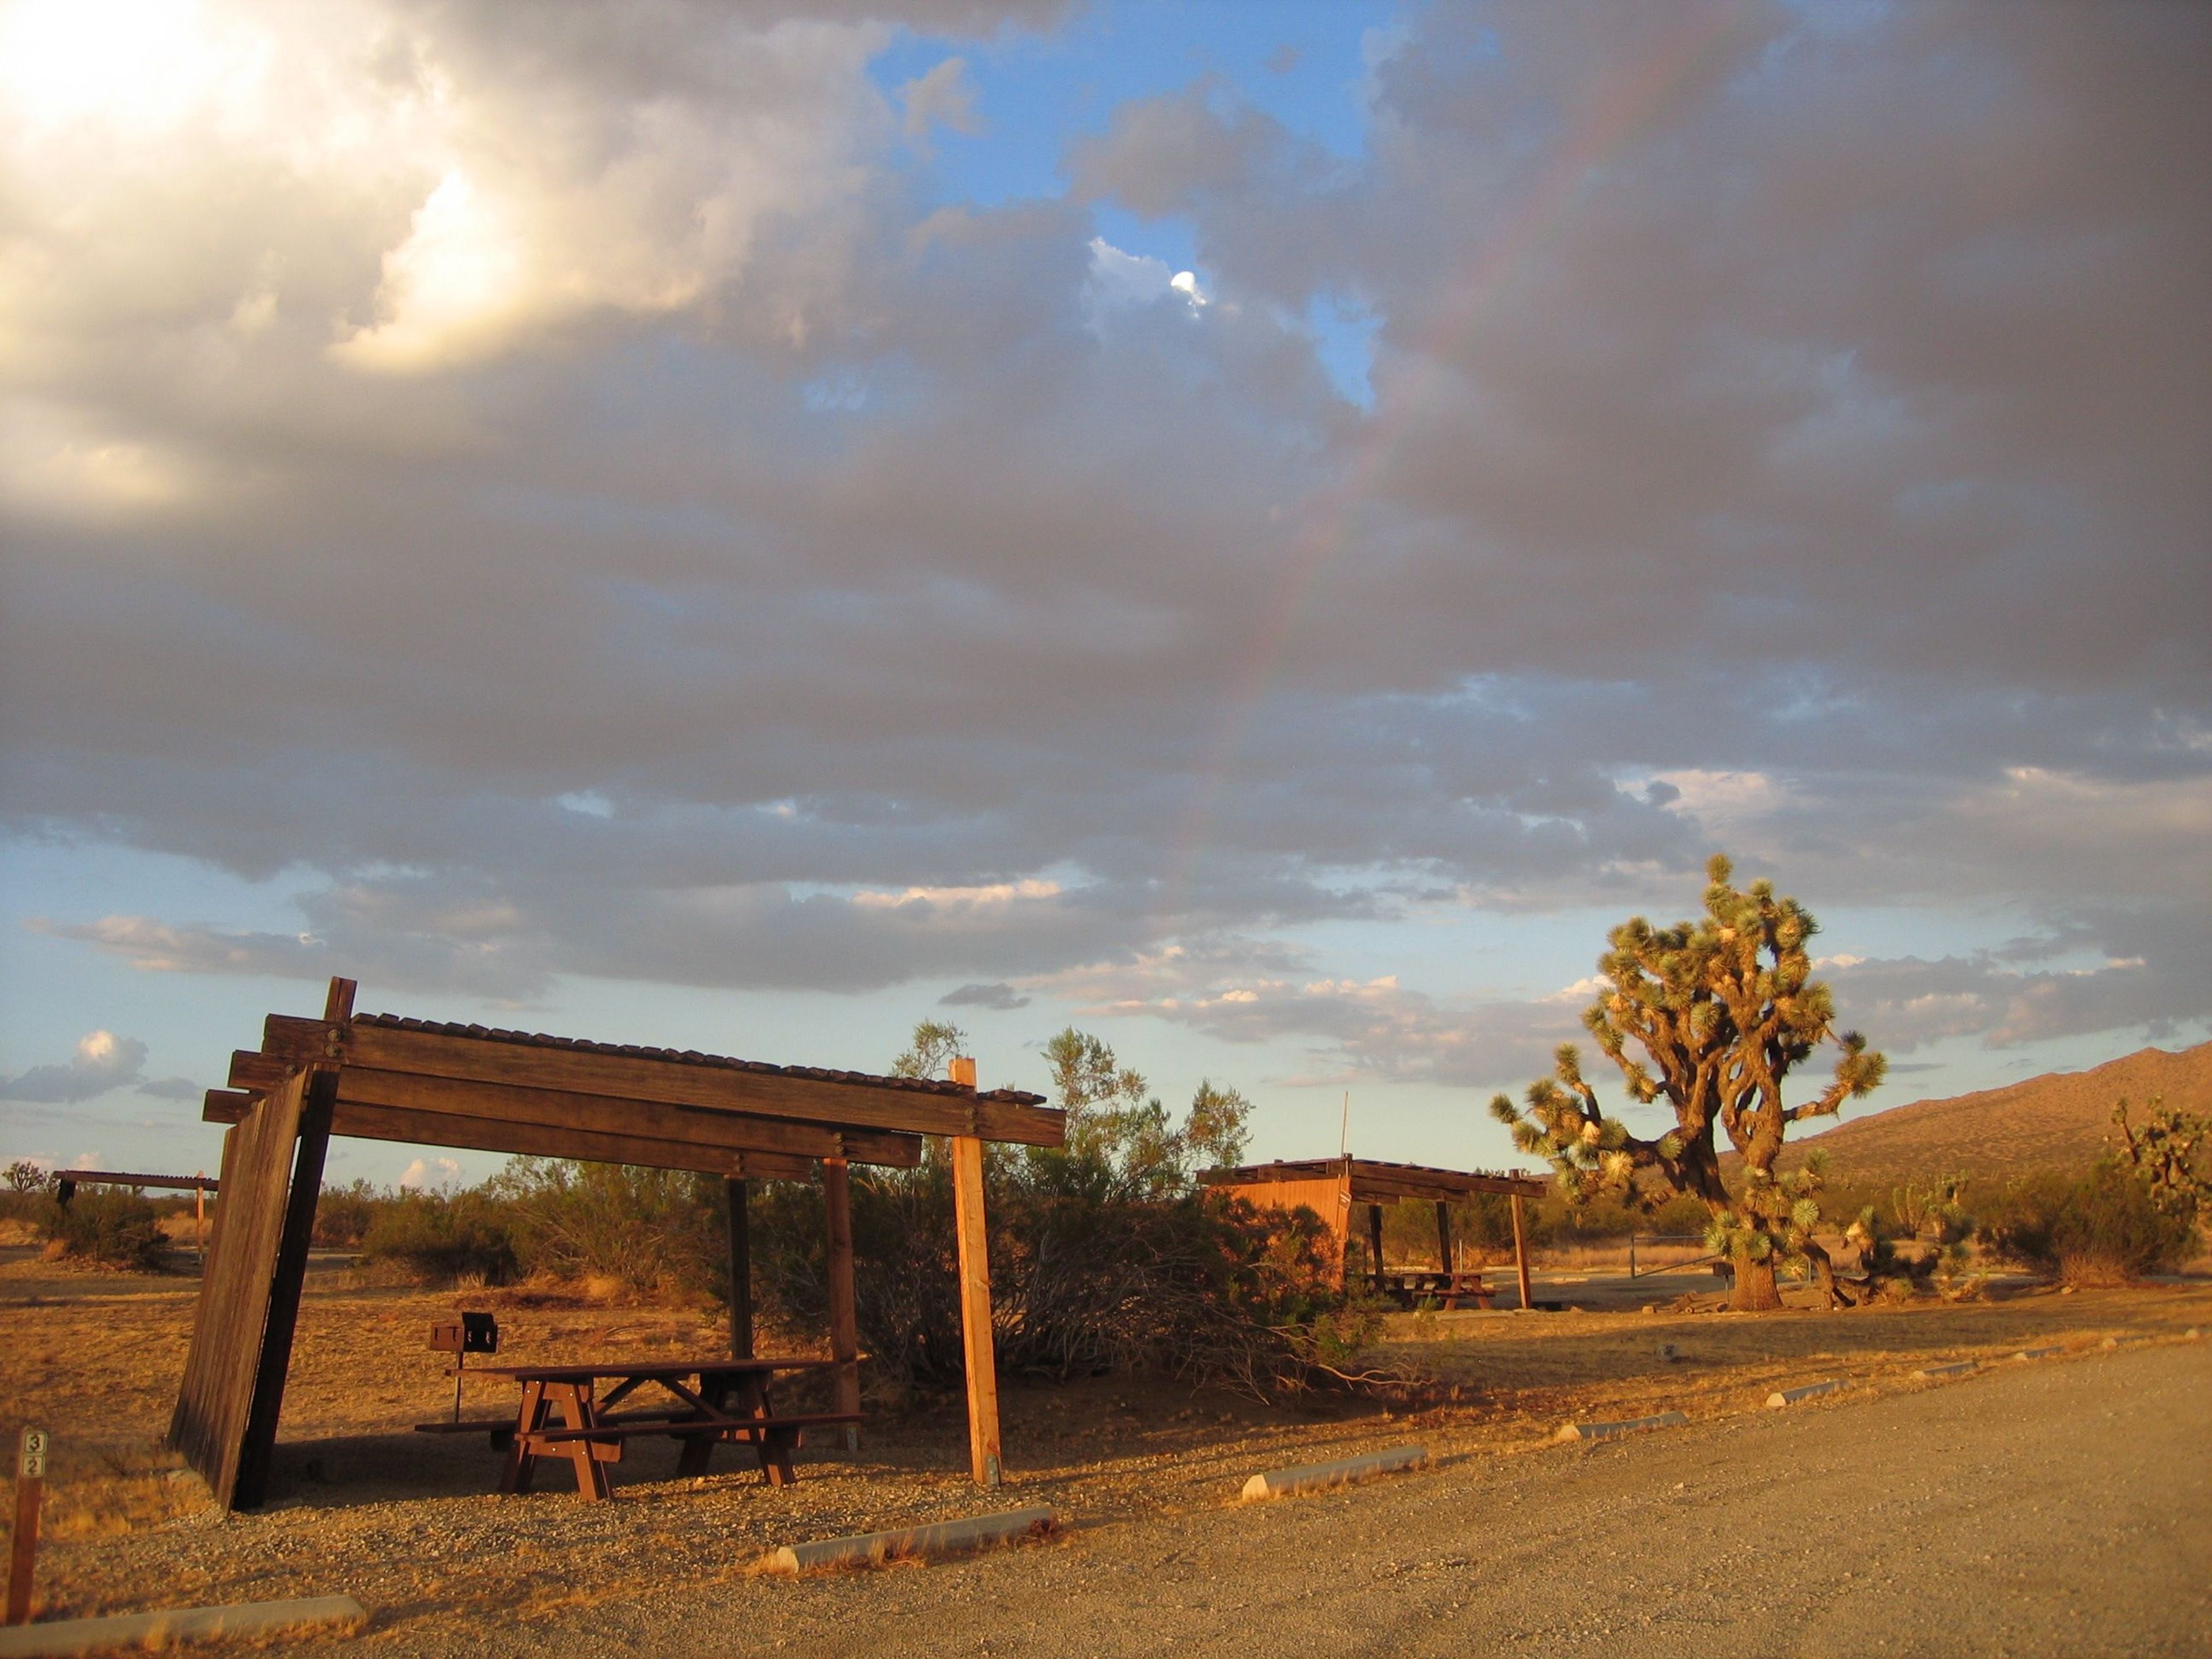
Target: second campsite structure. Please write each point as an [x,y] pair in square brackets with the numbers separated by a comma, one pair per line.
[1332,1187]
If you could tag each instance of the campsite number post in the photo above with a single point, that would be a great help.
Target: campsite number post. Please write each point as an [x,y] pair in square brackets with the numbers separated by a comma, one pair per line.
[23,1546]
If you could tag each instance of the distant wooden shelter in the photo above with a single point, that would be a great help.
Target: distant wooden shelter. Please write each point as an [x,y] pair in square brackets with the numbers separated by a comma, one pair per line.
[1331,1187]
[66,1182]
[382,1078]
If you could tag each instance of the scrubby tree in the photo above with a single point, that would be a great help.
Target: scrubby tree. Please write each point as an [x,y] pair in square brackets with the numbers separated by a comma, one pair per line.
[1216,1129]
[1709,1017]
[931,1052]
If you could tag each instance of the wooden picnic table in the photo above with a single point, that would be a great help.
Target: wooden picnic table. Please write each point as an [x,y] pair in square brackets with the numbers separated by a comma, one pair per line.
[1413,1285]
[701,1401]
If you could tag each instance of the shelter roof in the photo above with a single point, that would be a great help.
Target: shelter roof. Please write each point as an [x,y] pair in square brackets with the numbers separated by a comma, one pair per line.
[432,1082]
[693,1057]
[128,1178]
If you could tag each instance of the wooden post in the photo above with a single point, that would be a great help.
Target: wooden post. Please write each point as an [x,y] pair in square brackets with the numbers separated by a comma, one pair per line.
[1375,1244]
[1520,1251]
[260,1443]
[741,1269]
[984,1452]
[844,1318]
[65,1190]
[1444,1235]
[23,1542]
[199,1217]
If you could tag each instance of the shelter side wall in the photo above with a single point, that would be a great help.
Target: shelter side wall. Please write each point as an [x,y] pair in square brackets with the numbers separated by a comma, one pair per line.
[209,1426]
[1326,1199]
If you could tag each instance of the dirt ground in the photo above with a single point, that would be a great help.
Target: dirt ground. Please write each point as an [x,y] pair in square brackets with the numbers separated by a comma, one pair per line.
[411,1526]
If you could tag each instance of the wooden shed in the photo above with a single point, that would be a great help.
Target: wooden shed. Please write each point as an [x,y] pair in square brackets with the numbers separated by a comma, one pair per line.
[1332,1187]
[383,1078]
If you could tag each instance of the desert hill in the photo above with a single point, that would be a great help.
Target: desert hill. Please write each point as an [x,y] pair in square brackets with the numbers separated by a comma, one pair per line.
[2060,1120]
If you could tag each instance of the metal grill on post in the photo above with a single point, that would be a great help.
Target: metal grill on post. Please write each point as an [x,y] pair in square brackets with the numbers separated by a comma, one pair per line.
[472,1333]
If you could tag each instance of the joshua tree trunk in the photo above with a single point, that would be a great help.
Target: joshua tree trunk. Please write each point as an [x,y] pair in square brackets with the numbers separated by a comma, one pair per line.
[1755,1291]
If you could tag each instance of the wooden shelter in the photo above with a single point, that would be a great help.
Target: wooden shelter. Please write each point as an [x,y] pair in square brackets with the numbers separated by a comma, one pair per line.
[381,1078]
[1330,1187]
[66,1182]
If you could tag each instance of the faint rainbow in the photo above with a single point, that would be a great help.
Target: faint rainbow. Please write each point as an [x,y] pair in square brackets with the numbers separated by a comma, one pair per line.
[1612,120]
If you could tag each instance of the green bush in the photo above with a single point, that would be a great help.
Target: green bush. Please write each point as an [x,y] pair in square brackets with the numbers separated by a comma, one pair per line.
[653,1230]
[441,1237]
[2100,1228]
[109,1226]
[343,1215]
[1093,1269]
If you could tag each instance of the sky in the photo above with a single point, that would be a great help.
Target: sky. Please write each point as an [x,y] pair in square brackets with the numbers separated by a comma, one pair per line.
[1259,532]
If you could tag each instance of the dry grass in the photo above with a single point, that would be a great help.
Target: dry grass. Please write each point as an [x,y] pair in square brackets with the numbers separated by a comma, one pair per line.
[411,1524]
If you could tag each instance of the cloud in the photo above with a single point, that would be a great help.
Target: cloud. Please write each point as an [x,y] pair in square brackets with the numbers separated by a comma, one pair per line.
[945,97]
[2156,986]
[103,1061]
[999,996]
[588,509]
[1241,991]
[171,1088]
[429,1174]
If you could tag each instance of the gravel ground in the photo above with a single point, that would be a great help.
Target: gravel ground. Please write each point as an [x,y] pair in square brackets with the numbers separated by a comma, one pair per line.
[2055,1507]
[410,1524]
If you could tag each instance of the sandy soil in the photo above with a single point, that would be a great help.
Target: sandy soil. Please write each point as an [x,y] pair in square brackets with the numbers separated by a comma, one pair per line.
[411,1526]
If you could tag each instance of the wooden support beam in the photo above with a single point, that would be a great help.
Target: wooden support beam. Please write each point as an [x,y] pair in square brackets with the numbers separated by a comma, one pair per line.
[844,1311]
[670,1081]
[1520,1251]
[1374,1245]
[1371,1186]
[557,1109]
[259,1444]
[530,1140]
[985,1456]
[741,1267]
[1444,1235]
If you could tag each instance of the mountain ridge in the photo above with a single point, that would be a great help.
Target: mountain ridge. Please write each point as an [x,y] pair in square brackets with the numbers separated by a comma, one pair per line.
[2056,1120]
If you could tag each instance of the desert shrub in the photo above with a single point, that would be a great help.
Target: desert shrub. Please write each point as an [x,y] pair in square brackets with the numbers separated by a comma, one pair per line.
[109,1226]
[1104,1255]
[2100,1228]
[652,1230]
[1092,1270]
[442,1236]
[343,1215]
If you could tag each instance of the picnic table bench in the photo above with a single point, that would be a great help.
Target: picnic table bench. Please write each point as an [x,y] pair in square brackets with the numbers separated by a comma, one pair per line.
[706,1401]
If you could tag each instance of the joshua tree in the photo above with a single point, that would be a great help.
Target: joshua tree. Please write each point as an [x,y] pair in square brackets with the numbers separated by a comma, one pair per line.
[1718,1012]
[2170,1155]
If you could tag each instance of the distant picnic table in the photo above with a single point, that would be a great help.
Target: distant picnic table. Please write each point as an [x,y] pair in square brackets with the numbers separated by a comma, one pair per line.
[1412,1286]
[699,1402]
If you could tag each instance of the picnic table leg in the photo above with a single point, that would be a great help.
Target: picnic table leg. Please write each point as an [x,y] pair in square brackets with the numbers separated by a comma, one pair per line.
[774,1444]
[575,1403]
[714,1390]
[521,1464]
